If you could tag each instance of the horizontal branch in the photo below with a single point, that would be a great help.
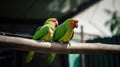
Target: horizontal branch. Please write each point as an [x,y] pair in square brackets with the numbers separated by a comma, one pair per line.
[17,43]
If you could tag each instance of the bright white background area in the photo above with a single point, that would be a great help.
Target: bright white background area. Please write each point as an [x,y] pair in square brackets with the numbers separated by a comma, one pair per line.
[93,18]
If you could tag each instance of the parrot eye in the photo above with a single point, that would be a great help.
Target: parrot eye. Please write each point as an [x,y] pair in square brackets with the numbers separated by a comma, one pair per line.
[53,20]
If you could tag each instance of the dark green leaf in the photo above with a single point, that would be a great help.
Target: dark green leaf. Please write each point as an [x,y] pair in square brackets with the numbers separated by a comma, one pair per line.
[112,27]
[108,11]
[118,31]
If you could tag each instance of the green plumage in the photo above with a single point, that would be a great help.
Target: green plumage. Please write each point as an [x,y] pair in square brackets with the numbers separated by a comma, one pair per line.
[51,58]
[62,34]
[45,33]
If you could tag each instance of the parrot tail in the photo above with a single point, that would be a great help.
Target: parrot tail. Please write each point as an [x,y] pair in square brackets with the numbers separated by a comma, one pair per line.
[51,58]
[29,56]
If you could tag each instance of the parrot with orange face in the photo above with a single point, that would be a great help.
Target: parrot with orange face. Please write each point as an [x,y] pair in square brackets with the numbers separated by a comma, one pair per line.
[63,34]
[44,33]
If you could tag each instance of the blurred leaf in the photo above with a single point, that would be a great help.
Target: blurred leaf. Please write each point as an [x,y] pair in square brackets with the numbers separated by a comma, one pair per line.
[112,20]
[118,19]
[112,27]
[114,23]
[108,11]
[108,22]
[114,16]
[118,31]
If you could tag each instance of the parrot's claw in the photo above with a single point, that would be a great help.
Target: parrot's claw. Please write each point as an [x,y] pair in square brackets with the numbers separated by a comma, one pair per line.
[67,43]
[42,40]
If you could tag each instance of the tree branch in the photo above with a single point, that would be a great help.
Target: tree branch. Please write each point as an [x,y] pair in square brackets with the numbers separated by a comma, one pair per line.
[17,43]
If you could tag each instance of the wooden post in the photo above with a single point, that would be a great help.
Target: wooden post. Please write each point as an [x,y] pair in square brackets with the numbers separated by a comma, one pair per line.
[82,41]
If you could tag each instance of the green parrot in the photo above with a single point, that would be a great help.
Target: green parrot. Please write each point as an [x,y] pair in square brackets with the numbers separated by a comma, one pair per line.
[63,34]
[44,33]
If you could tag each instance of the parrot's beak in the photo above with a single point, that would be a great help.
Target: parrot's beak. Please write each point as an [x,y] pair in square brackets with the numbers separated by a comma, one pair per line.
[76,25]
[56,24]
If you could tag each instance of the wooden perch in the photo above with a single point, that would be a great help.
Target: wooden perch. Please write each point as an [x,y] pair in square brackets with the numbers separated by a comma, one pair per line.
[17,43]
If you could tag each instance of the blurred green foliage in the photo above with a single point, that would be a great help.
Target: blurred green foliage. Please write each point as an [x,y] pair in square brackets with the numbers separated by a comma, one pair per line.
[114,22]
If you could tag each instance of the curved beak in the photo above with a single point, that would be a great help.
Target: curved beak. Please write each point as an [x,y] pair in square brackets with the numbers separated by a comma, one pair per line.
[56,24]
[76,25]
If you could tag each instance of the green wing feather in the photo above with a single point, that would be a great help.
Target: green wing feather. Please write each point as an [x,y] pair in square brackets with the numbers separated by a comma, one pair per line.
[60,31]
[29,56]
[51,58]
[41,31]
